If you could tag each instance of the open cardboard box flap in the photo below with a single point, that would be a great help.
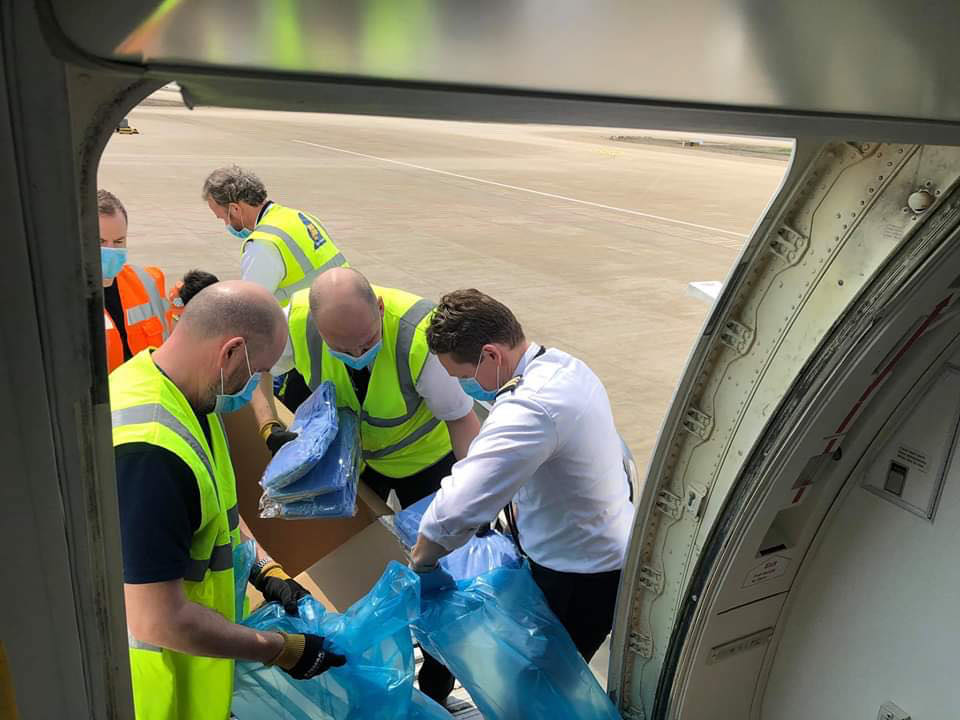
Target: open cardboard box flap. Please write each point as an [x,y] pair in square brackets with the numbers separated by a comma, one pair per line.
[337,559]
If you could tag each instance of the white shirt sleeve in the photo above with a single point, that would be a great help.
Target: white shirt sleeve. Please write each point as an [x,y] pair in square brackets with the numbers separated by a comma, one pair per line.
[263,265]
[285,363]
[517,438]
[441,392]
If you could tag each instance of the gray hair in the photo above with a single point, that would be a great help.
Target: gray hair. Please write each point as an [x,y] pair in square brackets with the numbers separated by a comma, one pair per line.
[232,185]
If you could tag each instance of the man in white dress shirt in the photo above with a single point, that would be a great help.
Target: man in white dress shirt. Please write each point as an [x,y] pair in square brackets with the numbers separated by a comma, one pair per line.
[550,448]
[282,249]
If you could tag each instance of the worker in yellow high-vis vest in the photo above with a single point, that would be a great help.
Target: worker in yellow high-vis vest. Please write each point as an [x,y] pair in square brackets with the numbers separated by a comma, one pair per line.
[283,249]
[178,509]
[416,421]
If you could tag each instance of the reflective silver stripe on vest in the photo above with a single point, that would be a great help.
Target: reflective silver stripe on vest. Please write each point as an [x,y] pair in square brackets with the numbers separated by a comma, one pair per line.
[139,313]
[408,385]
[315,351]
[233,518]
[302,260]
[135,644]
[155,412]
[157,305]
[408,440]
[220,559]
[285,293]
[223,429]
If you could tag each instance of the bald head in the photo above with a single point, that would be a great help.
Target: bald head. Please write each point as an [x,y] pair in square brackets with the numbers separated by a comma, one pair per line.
[346,310]
[229,331]
[233,308]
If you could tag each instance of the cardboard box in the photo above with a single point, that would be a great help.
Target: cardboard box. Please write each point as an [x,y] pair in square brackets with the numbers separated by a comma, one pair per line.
[347,573]
[337,558]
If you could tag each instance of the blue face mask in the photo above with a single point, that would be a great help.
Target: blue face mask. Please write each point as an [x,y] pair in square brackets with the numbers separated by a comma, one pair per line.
[231,403]
[241,234]
[359,363]
[112,261]
[477,391]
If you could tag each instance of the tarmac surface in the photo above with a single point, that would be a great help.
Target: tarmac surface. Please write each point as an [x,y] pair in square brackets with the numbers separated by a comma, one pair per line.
[590,240]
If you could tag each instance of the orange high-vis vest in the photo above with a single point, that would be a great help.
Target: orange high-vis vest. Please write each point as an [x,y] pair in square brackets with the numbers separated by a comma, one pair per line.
[146,313]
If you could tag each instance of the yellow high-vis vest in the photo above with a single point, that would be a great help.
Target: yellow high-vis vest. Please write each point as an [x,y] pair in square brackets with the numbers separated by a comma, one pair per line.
[399,433]
[146,407]
[303,244]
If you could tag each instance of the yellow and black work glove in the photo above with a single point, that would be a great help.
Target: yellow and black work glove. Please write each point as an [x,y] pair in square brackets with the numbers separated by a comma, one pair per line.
[276,436]
[276,586]
[303,656]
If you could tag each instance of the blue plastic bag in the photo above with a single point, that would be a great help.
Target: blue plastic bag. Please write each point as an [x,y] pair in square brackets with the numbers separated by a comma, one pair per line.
[485,551]
[375,683]
[499,638]
[315,423]
[423,708]
[329,489]
[406,523]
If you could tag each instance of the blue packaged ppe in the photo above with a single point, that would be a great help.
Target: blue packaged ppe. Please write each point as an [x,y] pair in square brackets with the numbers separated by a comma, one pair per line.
[377,680]
[332,505]
[499,638]
[487,550]
[332,472]
[315,423]
[329,489]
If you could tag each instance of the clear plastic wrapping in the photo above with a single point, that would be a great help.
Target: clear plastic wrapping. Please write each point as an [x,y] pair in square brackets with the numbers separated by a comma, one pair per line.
[329,488]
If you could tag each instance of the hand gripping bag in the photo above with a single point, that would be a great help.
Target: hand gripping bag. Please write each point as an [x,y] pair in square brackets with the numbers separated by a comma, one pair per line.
[487,550]
[376,682]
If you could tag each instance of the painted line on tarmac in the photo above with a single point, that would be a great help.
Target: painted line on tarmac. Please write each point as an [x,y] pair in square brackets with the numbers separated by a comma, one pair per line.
[526,190]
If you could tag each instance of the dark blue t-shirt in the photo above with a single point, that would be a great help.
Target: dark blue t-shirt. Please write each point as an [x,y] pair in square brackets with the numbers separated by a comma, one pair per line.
[159,511]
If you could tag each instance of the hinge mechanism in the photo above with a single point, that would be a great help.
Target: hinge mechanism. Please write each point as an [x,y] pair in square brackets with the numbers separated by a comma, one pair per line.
[668,504]
[650,578]
[641,644]
[697,422]
[736,335]
[789,245]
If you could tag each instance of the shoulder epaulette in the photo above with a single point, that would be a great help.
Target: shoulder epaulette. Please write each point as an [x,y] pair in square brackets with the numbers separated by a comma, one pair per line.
[512,385]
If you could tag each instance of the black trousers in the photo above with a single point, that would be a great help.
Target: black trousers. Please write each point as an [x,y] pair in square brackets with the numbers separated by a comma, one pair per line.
[436,682]
[294,390]
[413,487]
[583,602]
